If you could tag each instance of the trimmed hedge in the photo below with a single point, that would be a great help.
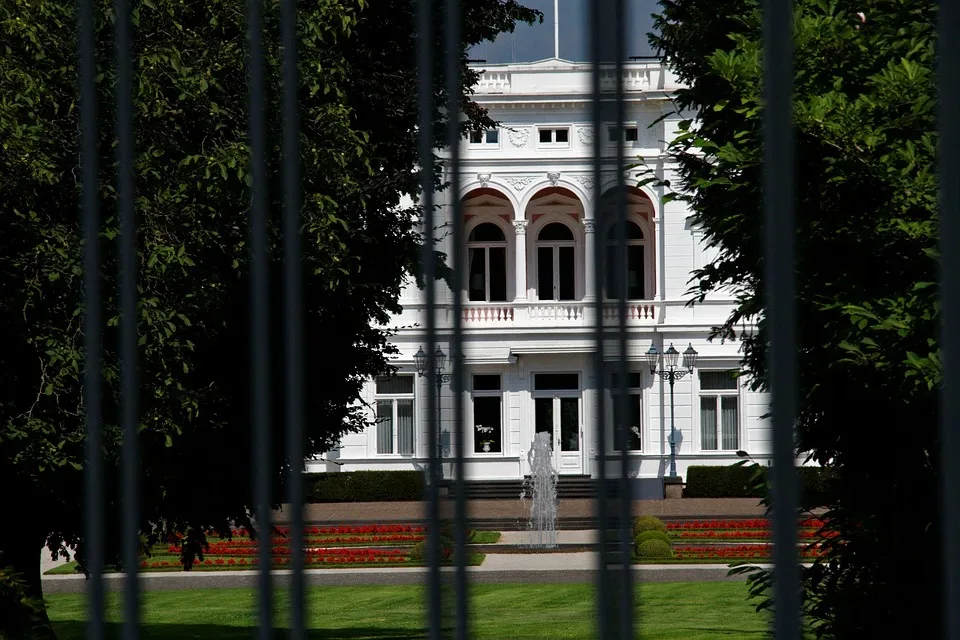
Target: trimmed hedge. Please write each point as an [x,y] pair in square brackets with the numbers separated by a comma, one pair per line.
[648,523]
[364,486]
[643,536]
[732,482]
[654,550]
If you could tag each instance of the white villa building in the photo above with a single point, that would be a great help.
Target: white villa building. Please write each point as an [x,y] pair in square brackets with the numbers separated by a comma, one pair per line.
[529,199]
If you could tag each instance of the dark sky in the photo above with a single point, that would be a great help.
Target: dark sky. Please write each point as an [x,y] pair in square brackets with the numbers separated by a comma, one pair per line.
[536,43]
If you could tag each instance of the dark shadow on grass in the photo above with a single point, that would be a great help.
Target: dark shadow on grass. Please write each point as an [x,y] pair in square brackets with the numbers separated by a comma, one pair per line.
[74,630]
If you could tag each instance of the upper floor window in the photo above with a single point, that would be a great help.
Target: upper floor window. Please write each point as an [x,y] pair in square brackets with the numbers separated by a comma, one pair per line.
[487,256]
[489,137]
[554,136]
[719,411]
[395,427]
[630,134]
[556,279]
[636,262]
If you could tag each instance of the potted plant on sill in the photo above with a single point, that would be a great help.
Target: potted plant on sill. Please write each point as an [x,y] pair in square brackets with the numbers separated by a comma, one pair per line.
[482,429]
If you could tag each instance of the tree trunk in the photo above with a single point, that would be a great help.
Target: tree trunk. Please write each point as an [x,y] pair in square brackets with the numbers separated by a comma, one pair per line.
[20,549]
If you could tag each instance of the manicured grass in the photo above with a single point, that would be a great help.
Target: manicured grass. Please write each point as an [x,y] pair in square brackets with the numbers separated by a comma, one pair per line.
[484,537]
[682,611]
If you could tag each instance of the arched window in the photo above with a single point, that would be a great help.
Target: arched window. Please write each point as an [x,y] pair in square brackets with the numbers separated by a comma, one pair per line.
[636,274]
[487,255]
[555,263]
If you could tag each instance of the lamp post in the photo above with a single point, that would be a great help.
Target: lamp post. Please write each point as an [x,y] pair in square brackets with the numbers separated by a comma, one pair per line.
[439,378]
[667,363]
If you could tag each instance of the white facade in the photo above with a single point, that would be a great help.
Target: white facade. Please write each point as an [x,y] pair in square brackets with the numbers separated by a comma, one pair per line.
[528,303]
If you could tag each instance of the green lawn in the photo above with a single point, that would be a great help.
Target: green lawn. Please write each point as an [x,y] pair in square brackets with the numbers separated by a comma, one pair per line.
[683,611]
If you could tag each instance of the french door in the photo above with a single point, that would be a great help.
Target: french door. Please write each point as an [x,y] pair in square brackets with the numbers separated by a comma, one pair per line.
[559,416]
[556,278]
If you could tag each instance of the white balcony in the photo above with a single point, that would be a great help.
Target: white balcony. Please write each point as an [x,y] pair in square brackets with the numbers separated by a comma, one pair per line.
[547,314]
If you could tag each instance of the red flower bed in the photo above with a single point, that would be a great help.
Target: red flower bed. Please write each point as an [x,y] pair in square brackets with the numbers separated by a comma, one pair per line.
[733,552]
[736,525]
[312,556]
[805,534]
[282,545]
[345,530]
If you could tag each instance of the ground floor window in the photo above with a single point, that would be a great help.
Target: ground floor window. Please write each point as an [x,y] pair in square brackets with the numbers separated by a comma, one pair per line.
[719,411]
[395,424]
[634,412]
[487,414]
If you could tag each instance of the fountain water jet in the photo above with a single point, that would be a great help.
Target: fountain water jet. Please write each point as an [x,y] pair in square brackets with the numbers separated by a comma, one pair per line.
[541,487]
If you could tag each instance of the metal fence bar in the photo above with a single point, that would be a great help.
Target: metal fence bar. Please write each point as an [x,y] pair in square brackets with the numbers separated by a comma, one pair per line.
[781,306]
[601,15]
[948,56]
[259,337]
[622,424]
[92,383]
[453,29]
[128,320]
[293,318]
[425,138]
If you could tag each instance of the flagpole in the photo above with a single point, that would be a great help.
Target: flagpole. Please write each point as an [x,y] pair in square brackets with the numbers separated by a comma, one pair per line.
[556,28]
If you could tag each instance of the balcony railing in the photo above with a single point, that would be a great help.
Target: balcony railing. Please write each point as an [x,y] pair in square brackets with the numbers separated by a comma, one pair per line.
[549,313]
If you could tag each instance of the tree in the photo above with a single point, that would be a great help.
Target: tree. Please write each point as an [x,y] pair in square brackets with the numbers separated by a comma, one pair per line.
[358,154]
[869,365]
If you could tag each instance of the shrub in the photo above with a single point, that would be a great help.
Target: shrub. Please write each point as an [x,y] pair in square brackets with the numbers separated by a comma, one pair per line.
[643,536]
[648,523]
[364,486]
[420,550]
[735,482]
[654,550]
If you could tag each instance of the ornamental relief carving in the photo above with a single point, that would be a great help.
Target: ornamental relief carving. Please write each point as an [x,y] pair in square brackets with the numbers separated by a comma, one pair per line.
[585,181]
[586,135]
[519,183]
[518,137]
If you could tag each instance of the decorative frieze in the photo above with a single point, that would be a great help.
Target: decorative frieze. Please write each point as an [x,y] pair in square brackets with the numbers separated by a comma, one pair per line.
[519,183]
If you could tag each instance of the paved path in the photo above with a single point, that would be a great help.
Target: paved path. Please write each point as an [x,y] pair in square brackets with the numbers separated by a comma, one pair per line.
[492,509]
[497,568]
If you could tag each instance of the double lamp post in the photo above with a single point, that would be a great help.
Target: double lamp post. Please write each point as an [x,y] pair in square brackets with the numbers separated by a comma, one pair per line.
[665,365]
[439,377]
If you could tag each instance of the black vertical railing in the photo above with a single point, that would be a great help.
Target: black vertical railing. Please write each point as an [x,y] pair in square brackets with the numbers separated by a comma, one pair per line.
[778,205]
[92,385]
[948,61]
[425,45]
[259,314]
[453,77]
[293,320]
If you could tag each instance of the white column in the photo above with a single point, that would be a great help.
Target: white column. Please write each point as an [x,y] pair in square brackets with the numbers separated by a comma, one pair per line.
[590,262]
[520,267]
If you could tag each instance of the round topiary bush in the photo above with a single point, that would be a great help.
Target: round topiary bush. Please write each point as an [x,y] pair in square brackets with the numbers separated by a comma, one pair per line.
[643,536]
[654,550]
[419,551]
[648,523]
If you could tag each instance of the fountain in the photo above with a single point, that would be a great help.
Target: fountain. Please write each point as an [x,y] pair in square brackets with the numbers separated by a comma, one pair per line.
[541,487]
